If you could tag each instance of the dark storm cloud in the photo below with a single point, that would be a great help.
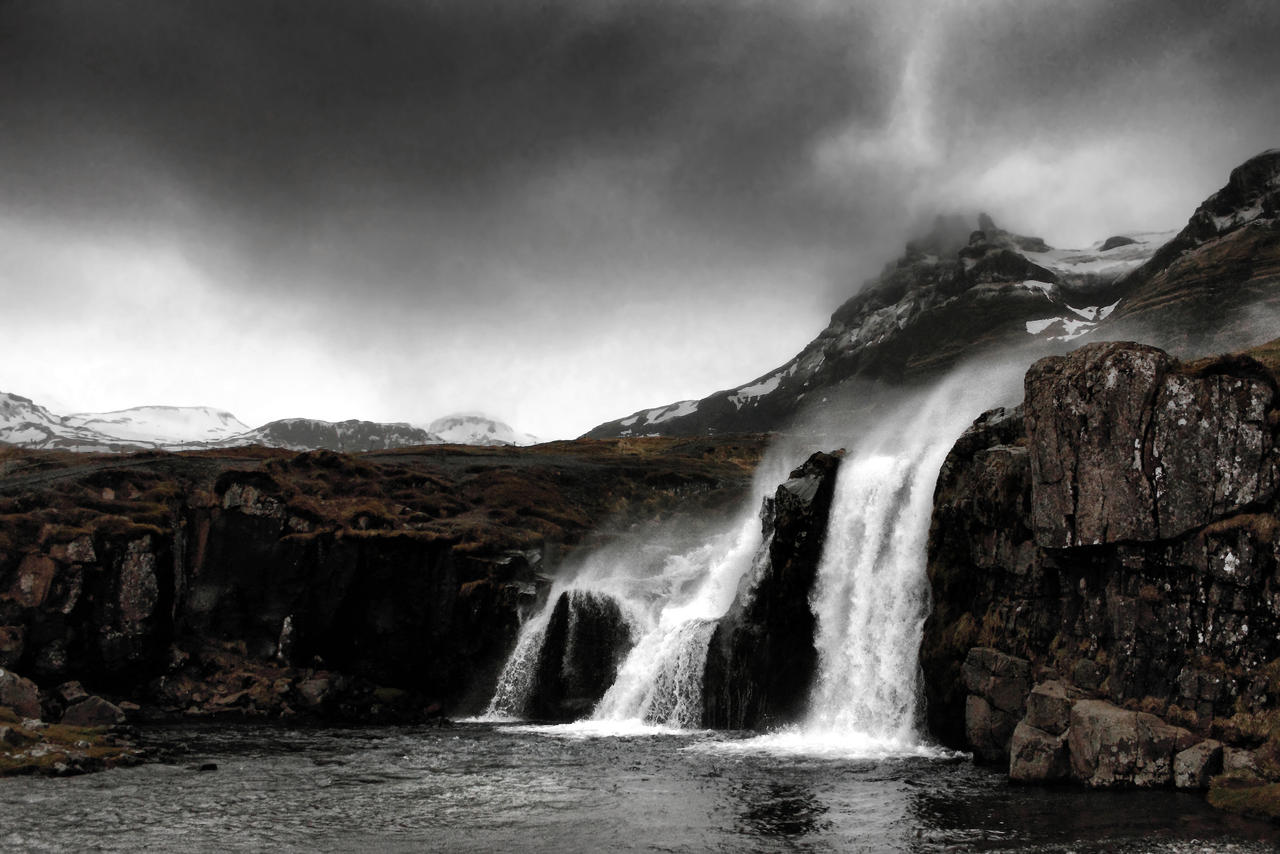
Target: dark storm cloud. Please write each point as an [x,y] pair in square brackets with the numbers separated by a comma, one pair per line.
[420,141]
[279,115]
[1028,66]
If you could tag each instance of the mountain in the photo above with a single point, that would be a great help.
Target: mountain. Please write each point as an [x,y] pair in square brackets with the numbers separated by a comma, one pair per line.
[309,434]
[29,425]
[175,428]
[956,292]
[161,424]
[469,429]
[1216,285]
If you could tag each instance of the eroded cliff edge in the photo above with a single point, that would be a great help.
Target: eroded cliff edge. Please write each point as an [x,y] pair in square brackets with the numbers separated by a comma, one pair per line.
[1104,560]
[383,586]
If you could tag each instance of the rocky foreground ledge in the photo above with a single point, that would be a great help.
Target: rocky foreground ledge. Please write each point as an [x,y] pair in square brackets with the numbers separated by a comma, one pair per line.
[1105,564]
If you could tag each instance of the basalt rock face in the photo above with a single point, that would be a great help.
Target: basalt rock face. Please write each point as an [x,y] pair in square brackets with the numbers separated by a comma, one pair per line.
[761,659]
[116,609]
[587,639]
[388,605]
[1118,535]
[267,583]
[96,605]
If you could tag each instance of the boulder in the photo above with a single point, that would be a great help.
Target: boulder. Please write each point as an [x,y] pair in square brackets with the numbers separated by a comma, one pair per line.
[988,730]
[1002,680]
[1049,707]
[12,644]
[93,712]
[19,694]
[1195,766]
[71,693]
[314,691]
[1238,759]
[1036,756]
[1113,747]
[997,685]
[15,737]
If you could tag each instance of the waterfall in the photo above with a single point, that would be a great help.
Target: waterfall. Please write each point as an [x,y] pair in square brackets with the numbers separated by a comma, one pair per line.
[672,596]
[871,596]
[661,680]
[515,684]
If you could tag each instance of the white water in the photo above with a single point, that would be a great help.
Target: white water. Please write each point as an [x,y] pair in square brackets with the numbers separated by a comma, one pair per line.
[871,595]
[660,682]
[511,696]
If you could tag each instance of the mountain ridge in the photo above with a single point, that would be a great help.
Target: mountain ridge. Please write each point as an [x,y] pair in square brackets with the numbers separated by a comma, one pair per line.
[25,423]
[955,292]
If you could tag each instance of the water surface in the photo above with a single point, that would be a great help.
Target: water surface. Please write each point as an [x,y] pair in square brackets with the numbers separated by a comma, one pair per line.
[487,787]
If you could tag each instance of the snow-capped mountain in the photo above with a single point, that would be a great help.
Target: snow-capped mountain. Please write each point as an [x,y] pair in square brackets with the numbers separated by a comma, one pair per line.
[166,425]
[474,429]
[957,292]
[26,423]
[174,428]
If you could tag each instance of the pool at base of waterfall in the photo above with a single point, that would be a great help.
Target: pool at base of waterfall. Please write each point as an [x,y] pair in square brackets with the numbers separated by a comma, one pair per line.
[495,787]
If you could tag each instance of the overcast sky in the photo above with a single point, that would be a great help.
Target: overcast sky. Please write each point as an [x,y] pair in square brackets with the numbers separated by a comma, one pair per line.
[554,212]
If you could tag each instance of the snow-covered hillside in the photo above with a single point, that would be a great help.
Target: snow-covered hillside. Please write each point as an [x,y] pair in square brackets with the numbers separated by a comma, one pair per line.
[162,424]
[474,429]
[176,428]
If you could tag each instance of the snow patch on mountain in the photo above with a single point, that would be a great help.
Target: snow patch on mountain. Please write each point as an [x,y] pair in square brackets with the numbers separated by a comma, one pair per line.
[478,429]
[162,424]
[1077,266]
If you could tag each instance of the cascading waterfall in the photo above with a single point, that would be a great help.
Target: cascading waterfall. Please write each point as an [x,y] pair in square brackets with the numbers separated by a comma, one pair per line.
[660,682]
[672,601]
[871,597]
[515,684]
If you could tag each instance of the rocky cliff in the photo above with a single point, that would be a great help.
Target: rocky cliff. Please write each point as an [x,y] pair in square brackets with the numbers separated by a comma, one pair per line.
[761,659]
[1104,569]
[268,583]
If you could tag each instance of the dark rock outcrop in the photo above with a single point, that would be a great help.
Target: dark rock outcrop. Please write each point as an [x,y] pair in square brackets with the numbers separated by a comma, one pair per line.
[321,584]
[93,712]
[19,694]
[761,659]
[586,640]
[1118,532]
[997,686]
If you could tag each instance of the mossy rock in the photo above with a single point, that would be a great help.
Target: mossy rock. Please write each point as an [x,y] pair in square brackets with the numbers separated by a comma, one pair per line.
[1244,793]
